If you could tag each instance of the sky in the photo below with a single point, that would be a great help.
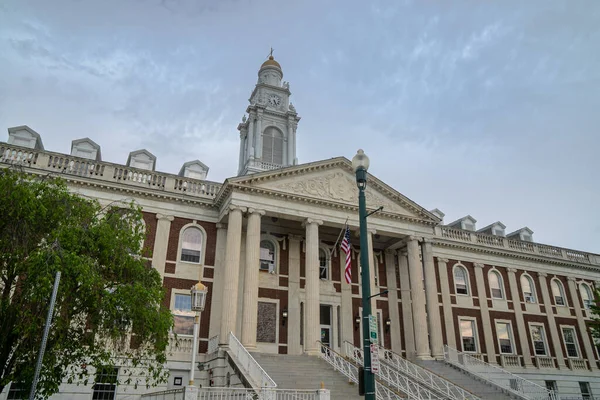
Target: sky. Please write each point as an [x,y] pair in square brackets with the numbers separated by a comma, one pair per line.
[481,108]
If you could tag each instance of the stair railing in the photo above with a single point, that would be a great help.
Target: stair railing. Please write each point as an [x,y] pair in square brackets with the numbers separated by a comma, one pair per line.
[350,370]
[251,368]
[426,377]
[394,378]
[496,376]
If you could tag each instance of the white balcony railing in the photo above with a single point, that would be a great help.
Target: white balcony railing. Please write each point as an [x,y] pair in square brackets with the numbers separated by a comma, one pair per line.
[517,245]
[422,375]
[577,364]
[544,362]
[241,394]
[251,369]
[350,370]
[496,376]
[71,166]
[510,360]
[395,378]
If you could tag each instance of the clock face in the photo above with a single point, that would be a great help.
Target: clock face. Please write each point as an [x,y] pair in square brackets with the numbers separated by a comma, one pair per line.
[274,100]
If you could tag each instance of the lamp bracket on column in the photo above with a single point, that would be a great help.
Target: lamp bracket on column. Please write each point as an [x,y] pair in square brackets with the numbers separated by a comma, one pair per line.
[374,211]
[378,294]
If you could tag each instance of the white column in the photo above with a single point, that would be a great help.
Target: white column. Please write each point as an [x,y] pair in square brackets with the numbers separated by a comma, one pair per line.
[447,302]
[218,278]
[313,324]
[232,271]
[242,151]
[372,266]
[294,135]
[293,322]
[250,314]
[390,274]
[161,240]
[251,138]
[583,329]
[290,142]
[521,328]
[418,299]
[485,314]
[556,340]
[433,304]
[407,315]
[258,136]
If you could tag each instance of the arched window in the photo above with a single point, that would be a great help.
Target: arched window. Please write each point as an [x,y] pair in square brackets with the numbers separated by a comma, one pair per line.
[528,289]
[323,264]
[267,256]
[586,296]
[272,146]
[461,280]
[558,292]
[191,245]
[496,285]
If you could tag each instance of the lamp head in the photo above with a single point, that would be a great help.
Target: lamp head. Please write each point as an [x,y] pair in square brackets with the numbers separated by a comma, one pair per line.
[199,293]
[360,164]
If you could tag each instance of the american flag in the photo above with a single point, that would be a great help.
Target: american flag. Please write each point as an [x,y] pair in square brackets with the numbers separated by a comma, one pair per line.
[345,246]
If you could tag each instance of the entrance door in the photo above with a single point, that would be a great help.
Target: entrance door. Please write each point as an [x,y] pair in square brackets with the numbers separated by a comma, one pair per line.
[325,319]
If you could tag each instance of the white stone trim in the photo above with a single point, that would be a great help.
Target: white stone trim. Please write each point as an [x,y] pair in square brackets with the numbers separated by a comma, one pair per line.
[576,341]
[511,335]
[193,224]
[469,291]
[546,347]
[275,241]
[475,332]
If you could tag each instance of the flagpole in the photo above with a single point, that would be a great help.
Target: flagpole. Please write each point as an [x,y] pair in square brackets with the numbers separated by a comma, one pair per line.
[339,236]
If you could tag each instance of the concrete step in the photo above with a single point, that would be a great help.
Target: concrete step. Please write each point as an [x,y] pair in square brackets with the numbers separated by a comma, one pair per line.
[306,372]
[464,380]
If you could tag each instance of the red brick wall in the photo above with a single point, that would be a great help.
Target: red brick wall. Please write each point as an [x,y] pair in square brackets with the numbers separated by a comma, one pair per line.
[211,239]
[151,222]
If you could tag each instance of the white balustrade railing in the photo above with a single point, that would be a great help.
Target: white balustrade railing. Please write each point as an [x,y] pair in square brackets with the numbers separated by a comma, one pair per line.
[251,369]
[181,344]
[216,393]
[18,155]
[394,378]
[497,376]
[213,344]
[577,363]
[510,360]
[424,376]
[544,362]
[350,370]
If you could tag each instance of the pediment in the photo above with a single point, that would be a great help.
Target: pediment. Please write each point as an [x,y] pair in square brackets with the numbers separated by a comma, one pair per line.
[336,184]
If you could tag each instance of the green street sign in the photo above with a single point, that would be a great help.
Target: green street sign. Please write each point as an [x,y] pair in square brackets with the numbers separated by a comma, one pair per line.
[373,329]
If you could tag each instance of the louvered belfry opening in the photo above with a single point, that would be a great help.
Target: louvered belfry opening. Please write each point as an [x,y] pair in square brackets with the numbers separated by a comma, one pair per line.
[272,151]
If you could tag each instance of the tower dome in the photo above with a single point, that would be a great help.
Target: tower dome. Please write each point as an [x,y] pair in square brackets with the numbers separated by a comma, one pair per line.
[270,62]
[270,72]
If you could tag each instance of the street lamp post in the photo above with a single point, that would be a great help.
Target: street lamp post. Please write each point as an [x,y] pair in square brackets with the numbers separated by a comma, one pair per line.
[360,163]
[198,292]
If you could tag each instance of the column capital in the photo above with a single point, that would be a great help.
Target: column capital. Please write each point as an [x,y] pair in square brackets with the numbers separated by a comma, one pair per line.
[402,253]
[512,270]
[233,207]
[256,211]
[572,278]
[372,231]
[221,225]
[542,274]
[443,260]
[390,251]
[164,217]
[309,221]
[412,238]
[295,237]
[478,265]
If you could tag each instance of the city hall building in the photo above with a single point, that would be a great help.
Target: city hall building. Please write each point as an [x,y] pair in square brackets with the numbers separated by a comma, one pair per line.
[264,243]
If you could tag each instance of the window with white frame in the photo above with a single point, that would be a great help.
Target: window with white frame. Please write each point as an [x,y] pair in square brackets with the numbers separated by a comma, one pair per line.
[468,335]
[528,288]
[570,339]
[558,292]
[272,146]
[538,337]
[586,296]
[105,386]
[183,316]
[191,245]
[504,337]
[461,280]
[323,264]
[496,288]
[586,391]
[267,256]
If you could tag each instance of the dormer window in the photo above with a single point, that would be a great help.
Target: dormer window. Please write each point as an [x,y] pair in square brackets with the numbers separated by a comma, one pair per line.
[498,232]
[496,229]
[466,223]
[24,136]
[141,159]
[194,169]
[439,214]
[86,148]
[468,226]
[523,234]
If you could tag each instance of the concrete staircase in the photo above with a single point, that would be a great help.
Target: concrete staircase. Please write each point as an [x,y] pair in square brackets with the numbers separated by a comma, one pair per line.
[306,372]
[464,380]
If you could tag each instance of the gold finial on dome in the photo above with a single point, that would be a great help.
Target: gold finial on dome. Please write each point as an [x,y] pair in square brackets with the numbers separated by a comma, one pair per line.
[271,61]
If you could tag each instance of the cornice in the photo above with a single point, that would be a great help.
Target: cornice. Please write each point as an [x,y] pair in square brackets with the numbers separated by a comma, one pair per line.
[520,256]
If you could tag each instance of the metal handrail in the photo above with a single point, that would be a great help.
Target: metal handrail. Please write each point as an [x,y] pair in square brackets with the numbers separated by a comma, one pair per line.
[350,370]
[256,374]
[394,378]
[497,376]
[426,377]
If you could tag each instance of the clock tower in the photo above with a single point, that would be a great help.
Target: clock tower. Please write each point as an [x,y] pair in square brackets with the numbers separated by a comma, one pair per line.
[268,134]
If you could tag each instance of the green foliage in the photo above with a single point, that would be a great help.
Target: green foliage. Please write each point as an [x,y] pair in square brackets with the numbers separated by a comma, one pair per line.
[595,324]
[109,296]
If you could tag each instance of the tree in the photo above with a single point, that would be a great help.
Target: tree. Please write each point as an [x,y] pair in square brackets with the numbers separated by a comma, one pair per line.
[594,325]
[109,306]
